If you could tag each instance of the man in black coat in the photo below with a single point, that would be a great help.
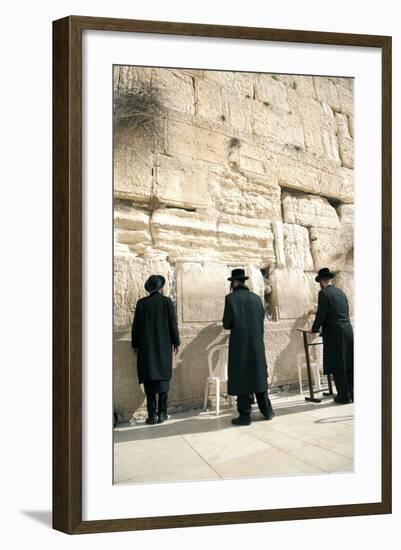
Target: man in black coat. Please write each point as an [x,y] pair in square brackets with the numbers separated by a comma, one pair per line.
[154,334]
[332,318]
[247,369]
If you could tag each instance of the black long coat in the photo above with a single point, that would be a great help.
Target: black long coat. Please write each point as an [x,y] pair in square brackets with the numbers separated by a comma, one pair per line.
[154,332]
[247,368]
[338,337]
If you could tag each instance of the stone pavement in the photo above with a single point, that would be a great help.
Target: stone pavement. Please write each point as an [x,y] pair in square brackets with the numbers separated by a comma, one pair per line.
[303,438]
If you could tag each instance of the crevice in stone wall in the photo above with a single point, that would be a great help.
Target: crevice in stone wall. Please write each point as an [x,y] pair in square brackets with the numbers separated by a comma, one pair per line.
[269,309]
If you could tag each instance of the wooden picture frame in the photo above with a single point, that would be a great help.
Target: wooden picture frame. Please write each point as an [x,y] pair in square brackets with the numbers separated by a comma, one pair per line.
[67,274]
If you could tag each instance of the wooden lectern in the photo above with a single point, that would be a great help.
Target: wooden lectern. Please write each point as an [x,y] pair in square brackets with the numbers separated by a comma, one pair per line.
[309,372]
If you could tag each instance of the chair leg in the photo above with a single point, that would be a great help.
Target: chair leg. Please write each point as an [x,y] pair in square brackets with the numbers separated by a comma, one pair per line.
[217,397]
[206,395]
[300,377]
[316,376]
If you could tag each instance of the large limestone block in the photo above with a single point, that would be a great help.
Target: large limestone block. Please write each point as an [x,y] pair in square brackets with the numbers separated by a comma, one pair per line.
[252,196]
[130,274]
[297,175]
[201,288]
[239,109]
[291,296]
[297,247]
[332,248]
[184,234]
[176,89]
[245,239]
[131,228]
[326,92]
[339,185]
[280,130]
[331,146]
[314,118]
[209,100]
[133,165]
[185,139]
[301,85]
[254,159]
[270,89]
[345,141]
[179,182]
[308,210]
[230,81]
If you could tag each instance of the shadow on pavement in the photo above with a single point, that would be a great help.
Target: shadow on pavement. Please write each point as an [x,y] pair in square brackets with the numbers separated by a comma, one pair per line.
[201,422]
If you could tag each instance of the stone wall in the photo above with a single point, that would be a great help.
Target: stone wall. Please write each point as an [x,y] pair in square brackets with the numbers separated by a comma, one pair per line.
[235,170]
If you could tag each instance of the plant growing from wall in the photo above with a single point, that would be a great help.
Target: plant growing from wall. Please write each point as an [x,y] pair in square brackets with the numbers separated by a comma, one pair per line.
[139,108]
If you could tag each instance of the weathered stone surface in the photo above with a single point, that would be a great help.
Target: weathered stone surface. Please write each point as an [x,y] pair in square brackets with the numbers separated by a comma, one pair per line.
[345,94]
[331,146]
[346,214]
[176,89]
[309,210]
[297,247]
[269,88]
[201,288]
[339,185]
[296,175]
[179,182]
[184,234]
[252,196]
[244,239]
[130,274]
[346,143]
[291,293]
[133,164]
[327,92]
[209,100]
[280,129]
[188,140]
[332,248]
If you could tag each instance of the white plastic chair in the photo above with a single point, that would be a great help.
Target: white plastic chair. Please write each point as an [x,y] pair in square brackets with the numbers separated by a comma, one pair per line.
[218,374]
[315,366]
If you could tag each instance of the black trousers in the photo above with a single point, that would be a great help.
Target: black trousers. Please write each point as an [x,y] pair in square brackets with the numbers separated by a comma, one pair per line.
[344,382]
[156,406]
[244,404]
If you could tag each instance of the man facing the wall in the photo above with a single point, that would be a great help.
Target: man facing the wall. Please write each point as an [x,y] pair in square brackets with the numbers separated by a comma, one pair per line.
[247,369]
[154,334]
[332,317]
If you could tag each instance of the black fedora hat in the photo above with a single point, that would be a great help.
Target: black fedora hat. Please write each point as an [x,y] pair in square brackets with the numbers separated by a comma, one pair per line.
[155,282]
[238,275]
[324,273]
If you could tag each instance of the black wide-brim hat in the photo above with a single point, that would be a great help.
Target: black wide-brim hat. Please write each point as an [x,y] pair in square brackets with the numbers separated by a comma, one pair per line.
[155,282]
[324,273]
[238,275]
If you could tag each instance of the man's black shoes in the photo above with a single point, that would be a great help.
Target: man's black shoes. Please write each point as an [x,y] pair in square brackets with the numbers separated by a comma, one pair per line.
[162,418]
[341,401]
[151,420]
[241,421]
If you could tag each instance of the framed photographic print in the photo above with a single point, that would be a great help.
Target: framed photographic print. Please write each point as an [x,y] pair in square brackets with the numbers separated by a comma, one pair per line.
[221,274]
